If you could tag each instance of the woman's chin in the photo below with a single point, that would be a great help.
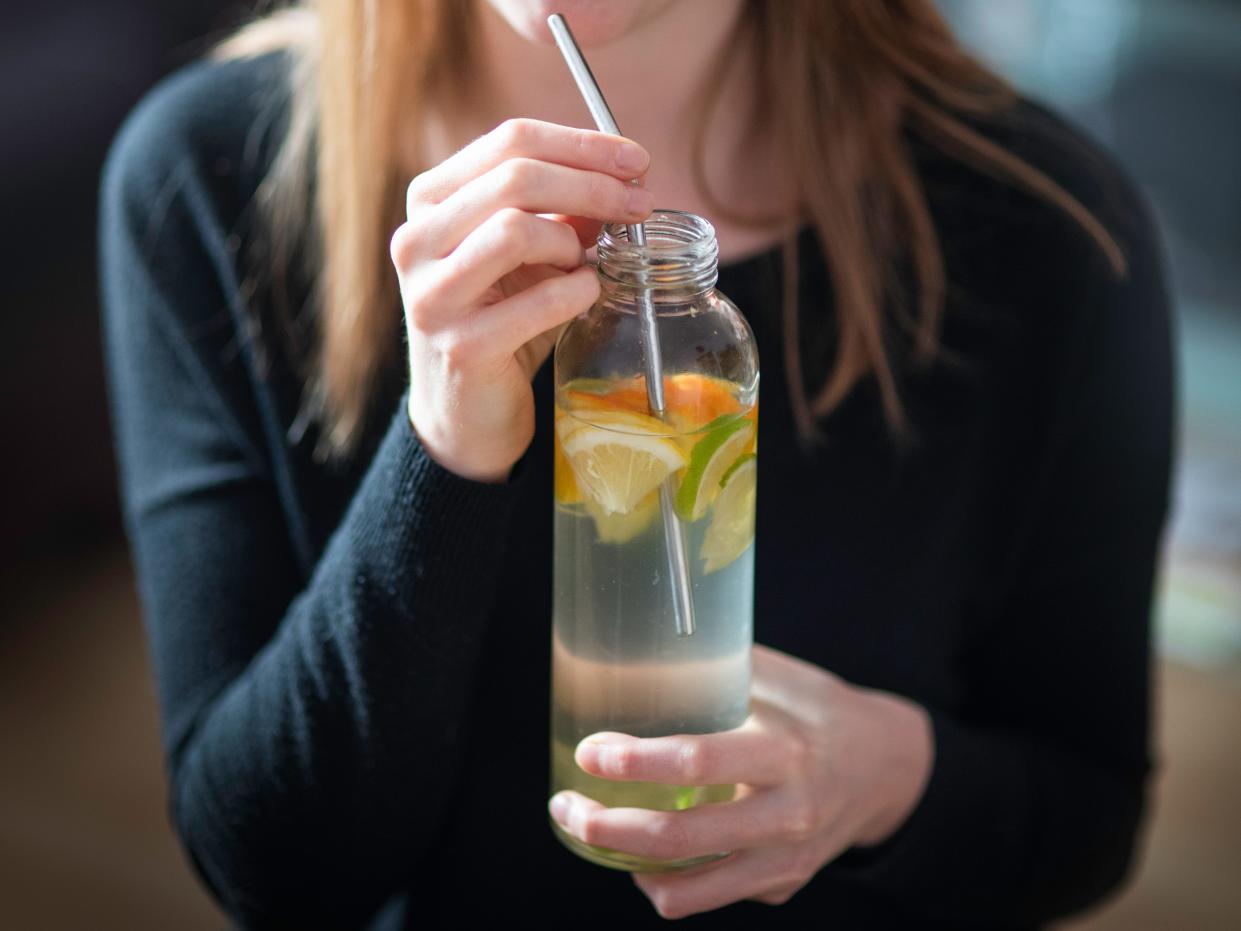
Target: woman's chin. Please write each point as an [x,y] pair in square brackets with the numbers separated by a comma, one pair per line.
[592,22]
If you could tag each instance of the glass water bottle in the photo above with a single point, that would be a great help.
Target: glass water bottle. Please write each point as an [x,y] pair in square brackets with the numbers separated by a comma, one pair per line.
[620,662]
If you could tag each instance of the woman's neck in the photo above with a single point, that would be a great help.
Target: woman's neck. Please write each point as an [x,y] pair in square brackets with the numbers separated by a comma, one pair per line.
[650,74]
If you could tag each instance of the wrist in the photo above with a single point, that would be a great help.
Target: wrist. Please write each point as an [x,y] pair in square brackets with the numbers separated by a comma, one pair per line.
[450,464]
[904,767]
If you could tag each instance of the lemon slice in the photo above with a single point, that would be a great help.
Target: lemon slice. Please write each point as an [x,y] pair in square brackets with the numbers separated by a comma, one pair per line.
[618,420]
[732,524]
[711,455]
[621,528]
[617,470]
[591,385]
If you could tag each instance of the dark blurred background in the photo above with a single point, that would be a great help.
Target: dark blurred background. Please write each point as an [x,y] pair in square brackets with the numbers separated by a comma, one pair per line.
[84,840]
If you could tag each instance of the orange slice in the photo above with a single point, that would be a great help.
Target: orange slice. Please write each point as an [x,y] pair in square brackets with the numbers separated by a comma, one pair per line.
[567,490]
[693,398]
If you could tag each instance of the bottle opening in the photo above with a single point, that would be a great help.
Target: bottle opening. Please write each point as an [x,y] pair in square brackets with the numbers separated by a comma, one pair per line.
[680,254]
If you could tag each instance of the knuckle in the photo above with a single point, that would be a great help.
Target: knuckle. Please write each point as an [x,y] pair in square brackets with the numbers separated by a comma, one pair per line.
[518,176]
[513,226]
[417,193]
[671,838]
[587,829]
[694,763]
[777,896]
[667,906]
[799,822]
[607,193]
[402,246]
[515,132]
[411,193]
[623,758]
[797,756]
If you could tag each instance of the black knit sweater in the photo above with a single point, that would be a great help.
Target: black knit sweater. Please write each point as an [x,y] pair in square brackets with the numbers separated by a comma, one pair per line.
[353,661]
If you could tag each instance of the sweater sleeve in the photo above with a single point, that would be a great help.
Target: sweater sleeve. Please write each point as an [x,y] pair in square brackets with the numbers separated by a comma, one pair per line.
[1039,779]
[313,728]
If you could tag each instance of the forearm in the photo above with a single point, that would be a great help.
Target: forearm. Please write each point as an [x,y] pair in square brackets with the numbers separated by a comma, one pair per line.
[1010,831]
[319,773]
[1037,794]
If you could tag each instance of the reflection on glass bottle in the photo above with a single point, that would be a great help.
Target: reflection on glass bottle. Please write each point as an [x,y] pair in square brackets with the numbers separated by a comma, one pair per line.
[617,661]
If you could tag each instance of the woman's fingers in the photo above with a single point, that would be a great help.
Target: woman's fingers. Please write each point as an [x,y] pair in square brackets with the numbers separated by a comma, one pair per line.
[466,245]
[767,874]
[534,310]
[587,228]
[755,753]
[759,818]
[528,138]
[505,240]
[536,186]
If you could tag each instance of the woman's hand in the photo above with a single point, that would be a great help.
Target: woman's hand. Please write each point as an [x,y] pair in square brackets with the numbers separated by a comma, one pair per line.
[487,282]
[821,766]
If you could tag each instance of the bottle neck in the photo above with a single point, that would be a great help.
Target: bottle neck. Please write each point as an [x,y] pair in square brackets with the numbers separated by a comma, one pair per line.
[678,261]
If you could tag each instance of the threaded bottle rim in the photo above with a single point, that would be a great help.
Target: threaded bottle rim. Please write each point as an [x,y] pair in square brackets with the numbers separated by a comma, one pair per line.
[680,254]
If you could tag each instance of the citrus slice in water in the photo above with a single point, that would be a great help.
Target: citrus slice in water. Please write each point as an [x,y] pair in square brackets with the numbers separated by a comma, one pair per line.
[621,528]
[752,416]
[711,456]
[617,470]
[698,399]
[694,396]
[622,421]
[565,482]
[732,524]
[593,386]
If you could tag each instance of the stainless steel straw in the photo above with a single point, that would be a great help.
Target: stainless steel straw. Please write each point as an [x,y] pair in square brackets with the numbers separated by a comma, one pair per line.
[674,531]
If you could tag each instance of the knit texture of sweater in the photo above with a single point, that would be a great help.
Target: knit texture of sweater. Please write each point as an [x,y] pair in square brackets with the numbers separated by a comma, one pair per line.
[353,659]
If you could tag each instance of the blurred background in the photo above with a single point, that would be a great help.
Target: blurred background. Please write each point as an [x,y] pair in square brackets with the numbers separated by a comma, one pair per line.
[84,840]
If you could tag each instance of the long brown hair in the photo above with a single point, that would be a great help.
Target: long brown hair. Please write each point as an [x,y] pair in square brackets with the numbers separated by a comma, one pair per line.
[850,76]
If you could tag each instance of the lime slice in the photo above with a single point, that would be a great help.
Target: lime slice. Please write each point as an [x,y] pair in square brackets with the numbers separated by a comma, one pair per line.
[617,470]
[735,467]
[621,528]
[711,455]
[732,524]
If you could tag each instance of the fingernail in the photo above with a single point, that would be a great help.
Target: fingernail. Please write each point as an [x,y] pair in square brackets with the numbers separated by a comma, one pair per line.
[630,157]
[640,200]
[559,807]
[587,755]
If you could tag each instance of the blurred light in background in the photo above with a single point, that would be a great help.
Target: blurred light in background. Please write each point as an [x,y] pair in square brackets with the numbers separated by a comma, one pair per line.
[1159,83]
[84,835]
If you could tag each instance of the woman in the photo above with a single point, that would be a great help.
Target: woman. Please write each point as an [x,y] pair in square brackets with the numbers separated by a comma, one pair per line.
[346,574]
